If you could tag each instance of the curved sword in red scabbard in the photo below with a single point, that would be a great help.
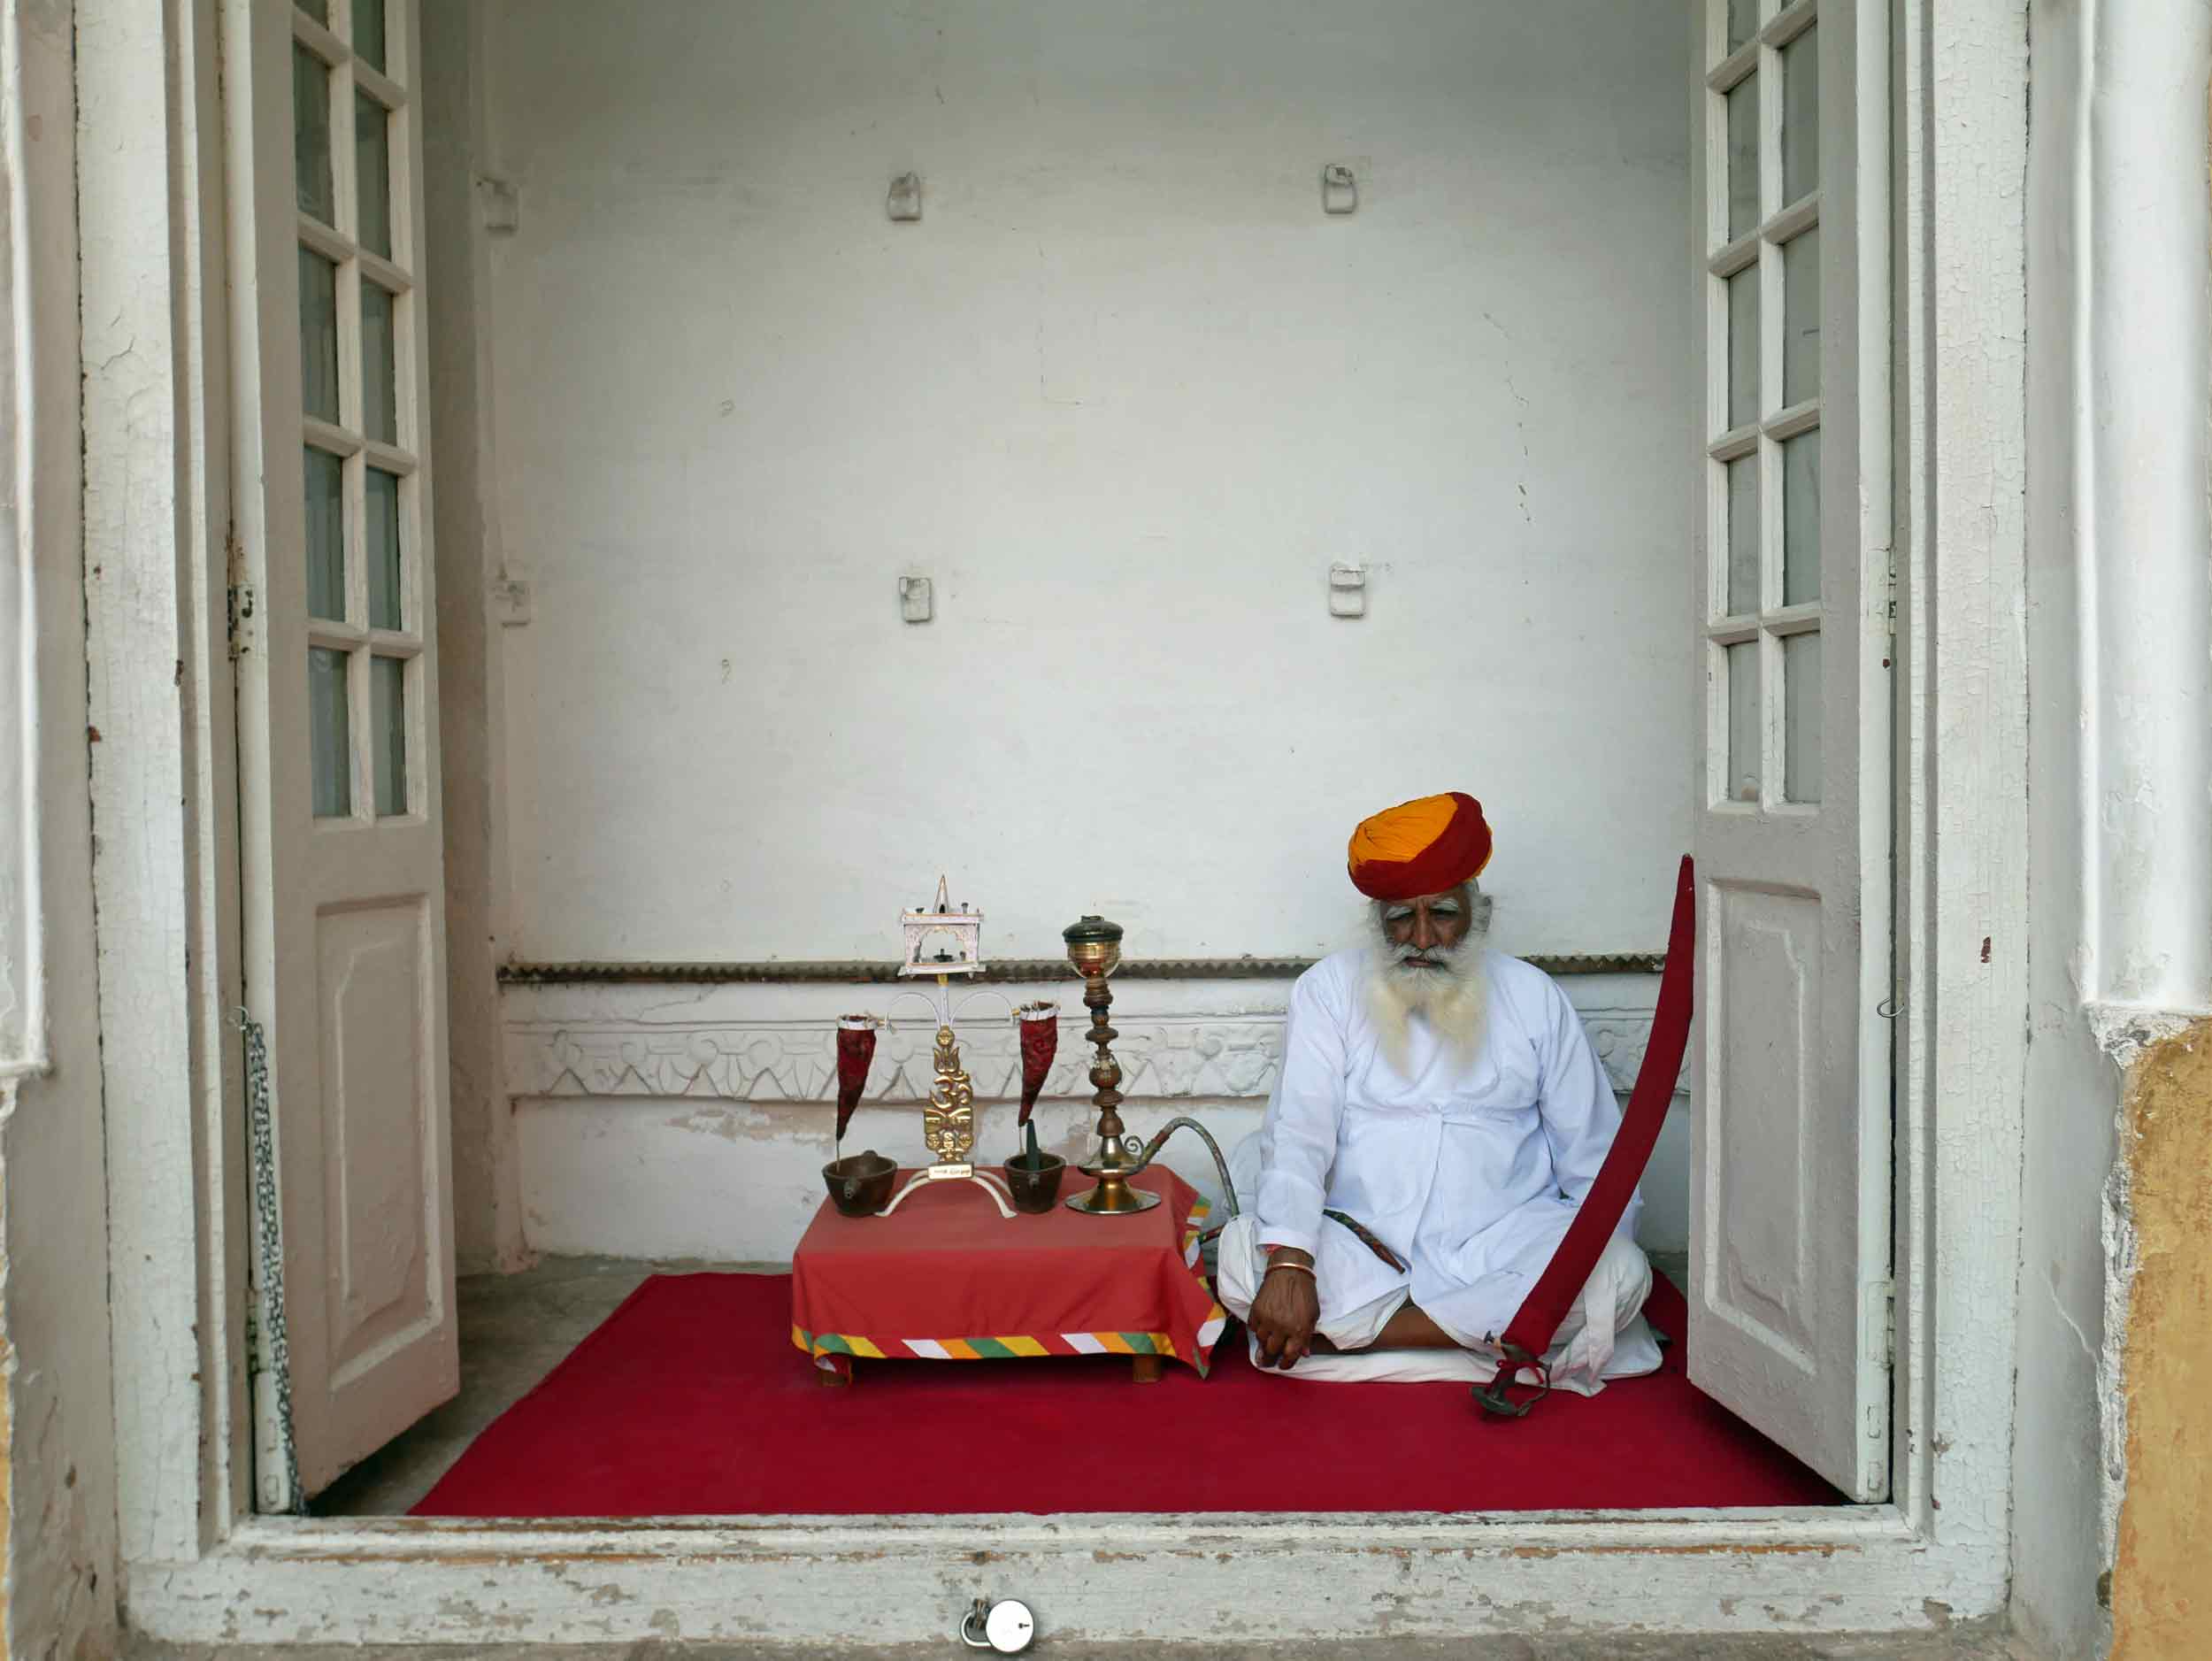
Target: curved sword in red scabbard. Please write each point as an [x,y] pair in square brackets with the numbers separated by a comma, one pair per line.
[1529,1334]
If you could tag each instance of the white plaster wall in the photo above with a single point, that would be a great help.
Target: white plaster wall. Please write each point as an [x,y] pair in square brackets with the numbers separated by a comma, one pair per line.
[1124,393]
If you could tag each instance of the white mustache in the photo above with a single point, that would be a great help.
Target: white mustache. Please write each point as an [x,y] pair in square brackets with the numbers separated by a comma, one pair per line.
[1429,959]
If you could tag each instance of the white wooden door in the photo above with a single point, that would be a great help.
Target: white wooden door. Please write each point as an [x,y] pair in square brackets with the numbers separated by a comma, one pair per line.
[1790,1205]
[338,728]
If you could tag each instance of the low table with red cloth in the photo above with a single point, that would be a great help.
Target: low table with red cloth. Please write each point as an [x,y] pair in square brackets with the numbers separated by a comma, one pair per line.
[946,1278]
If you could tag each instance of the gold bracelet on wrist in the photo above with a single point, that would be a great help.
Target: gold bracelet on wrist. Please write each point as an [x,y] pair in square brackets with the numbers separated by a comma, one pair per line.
[1303,1268]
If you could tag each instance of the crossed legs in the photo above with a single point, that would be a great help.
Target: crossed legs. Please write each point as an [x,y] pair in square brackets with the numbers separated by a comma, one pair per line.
[1369,1328]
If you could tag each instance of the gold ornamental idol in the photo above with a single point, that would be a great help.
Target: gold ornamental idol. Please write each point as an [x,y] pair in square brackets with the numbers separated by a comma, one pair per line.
[948,1121]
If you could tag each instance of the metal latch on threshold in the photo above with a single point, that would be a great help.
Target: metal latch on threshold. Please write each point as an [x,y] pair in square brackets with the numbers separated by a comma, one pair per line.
[1006,1626]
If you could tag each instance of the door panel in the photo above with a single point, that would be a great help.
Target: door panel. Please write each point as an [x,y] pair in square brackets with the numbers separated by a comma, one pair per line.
[376,1122]
[1763,1010]
[1790,1237]
[343,879]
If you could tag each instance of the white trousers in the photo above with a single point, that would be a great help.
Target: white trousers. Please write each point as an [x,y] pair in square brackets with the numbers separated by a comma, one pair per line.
[1604,1335]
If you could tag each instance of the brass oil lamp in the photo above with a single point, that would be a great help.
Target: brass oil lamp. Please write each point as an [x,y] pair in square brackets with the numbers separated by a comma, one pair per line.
[1094,948]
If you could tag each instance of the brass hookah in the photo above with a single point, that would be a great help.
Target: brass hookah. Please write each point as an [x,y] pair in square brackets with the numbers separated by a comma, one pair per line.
[1094,950]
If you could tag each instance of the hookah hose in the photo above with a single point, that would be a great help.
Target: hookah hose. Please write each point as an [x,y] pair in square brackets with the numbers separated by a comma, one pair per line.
[1221,1165]
[1529,1334]
[1229,1191]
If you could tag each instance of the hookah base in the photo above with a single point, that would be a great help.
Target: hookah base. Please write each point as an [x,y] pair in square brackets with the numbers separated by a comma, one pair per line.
[1112,1197]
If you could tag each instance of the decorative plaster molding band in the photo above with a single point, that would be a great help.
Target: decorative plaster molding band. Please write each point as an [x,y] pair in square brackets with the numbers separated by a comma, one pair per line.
[1162,1057]
[1023,970]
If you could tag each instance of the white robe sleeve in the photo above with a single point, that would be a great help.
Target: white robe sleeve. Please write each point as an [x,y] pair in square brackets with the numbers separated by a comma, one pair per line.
[1298,1137]
[1580,1113]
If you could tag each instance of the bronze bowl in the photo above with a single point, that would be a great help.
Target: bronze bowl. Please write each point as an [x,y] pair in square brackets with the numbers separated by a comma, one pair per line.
[1034,1191]
[860,1183]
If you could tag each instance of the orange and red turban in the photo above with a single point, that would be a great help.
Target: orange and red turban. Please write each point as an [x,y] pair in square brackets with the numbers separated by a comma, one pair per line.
[1420,847]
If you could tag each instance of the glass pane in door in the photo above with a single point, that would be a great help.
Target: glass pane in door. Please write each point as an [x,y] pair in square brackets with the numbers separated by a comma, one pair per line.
[381,547]
[372,171]
[1801,717]
[388,711]
[1743,347]
[379,386]
[310,135]
[1743,156]
[1743,22]
[325,535]
[318,336]
[1743,534]
[1801,519]
[1800,117]
[1801,317]
[1742,673]
[329,734]
[368,33]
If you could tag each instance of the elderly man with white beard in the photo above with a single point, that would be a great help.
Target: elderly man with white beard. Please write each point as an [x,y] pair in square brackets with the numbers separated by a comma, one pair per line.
[1439,1116]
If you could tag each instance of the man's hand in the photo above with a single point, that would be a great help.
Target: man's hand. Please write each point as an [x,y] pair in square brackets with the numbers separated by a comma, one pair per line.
[1286,1310]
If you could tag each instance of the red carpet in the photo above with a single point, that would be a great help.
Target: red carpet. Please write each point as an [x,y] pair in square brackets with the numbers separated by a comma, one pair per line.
[691,1399]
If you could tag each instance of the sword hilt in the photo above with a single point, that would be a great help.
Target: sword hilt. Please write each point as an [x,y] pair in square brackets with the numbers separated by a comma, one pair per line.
[1492,1397]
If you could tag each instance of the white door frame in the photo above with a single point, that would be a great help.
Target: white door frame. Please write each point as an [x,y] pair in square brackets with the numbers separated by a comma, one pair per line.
[198,1567]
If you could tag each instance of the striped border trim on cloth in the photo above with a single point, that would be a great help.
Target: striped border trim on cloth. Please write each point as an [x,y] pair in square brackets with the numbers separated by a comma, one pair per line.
[1191,1231]
[1007,1346]
[1002,1348]
[1216,1319]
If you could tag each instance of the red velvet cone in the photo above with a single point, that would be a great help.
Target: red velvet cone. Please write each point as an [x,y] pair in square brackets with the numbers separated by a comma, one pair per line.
[855,1050]
[1039,1025]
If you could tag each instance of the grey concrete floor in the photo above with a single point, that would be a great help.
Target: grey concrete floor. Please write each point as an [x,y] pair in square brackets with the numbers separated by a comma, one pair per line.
[515,1329]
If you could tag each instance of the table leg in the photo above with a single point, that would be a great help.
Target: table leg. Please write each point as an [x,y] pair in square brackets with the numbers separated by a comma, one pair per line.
[1147,1369]
[837,1374]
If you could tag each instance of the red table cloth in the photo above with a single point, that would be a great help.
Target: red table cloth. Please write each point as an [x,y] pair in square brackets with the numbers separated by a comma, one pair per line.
[946,1278]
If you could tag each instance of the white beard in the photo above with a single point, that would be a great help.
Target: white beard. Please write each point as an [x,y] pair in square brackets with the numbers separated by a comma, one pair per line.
[1452,999]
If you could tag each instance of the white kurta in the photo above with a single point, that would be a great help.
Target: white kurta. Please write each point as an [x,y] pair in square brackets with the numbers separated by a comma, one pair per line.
[1470,1170]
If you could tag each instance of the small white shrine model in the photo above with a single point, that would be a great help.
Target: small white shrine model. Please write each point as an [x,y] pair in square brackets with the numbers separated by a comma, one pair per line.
[941,940]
